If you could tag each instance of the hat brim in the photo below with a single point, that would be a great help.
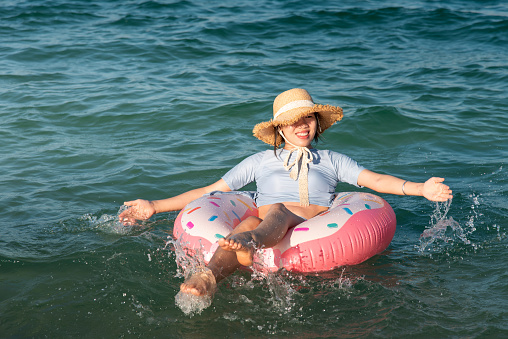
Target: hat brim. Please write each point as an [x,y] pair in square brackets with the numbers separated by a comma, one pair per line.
[328,115]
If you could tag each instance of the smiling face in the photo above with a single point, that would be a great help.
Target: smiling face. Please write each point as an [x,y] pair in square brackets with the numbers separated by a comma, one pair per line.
[301,133]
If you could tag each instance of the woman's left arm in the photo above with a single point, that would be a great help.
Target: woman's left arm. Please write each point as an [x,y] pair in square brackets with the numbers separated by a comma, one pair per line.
[433,189]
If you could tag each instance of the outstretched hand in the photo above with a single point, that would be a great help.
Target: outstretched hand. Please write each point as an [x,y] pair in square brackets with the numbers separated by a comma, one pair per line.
[138,210]
[435,190]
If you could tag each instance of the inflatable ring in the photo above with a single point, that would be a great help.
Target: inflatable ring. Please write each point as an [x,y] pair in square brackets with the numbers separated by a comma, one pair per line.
[356,227]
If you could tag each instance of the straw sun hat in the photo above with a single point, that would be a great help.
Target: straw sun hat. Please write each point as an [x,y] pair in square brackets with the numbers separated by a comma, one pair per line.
[291,106]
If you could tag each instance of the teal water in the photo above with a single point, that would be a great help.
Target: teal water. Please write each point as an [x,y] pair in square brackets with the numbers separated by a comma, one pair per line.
[107,101]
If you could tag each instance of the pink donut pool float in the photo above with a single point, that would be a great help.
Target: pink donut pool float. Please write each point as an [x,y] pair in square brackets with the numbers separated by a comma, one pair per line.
[355,228]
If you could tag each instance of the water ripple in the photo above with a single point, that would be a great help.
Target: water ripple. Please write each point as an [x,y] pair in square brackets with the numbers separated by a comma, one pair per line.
[109,101]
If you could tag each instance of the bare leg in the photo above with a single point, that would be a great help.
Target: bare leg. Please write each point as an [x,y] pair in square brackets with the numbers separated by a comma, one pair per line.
[238,248]
[222,264]
[268,233]
[243,254]
[248,224]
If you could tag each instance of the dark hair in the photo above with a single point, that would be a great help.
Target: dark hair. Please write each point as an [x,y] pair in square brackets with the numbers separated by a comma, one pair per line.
[276,134]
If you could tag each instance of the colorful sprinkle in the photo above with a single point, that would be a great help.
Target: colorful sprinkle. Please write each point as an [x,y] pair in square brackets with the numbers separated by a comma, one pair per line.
[236,215]
[214,198]
[194,209]
[332,225]
[232,203]
[348,210]
[376,201]
[212,218]
[219,236]
[211,202]
[227,216]
[343,196]
[367,206]
[190,225]
[243,202]
[301,229]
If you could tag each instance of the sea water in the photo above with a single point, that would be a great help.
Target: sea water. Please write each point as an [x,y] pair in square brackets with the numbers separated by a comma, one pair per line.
[103,102]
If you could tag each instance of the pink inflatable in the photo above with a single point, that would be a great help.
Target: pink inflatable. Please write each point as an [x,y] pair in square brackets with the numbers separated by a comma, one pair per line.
[356,227]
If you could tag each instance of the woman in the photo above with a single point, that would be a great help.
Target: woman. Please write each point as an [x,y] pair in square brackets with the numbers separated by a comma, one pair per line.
[284,199]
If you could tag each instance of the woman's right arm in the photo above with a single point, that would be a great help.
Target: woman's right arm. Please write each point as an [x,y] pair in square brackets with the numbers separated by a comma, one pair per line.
[143,209]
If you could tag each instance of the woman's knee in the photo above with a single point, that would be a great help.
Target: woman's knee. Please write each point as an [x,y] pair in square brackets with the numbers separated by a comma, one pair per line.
[280,211]
[252,220]
[248,224]
[279,208]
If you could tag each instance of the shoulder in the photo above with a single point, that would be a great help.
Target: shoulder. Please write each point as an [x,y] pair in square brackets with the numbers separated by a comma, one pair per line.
[336,156]
[262,154]
[256,157]
[327,155]
[339,161]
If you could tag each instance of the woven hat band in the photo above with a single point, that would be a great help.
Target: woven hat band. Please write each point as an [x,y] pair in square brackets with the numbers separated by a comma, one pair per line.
[293,105]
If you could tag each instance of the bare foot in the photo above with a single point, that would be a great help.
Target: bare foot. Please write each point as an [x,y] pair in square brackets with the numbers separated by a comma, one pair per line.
[200,283]
[244,246]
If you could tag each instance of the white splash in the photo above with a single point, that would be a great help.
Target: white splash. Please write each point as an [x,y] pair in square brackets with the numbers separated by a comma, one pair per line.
[281,291]
[109,223]
[444,230]
[187,266]
[191,304]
